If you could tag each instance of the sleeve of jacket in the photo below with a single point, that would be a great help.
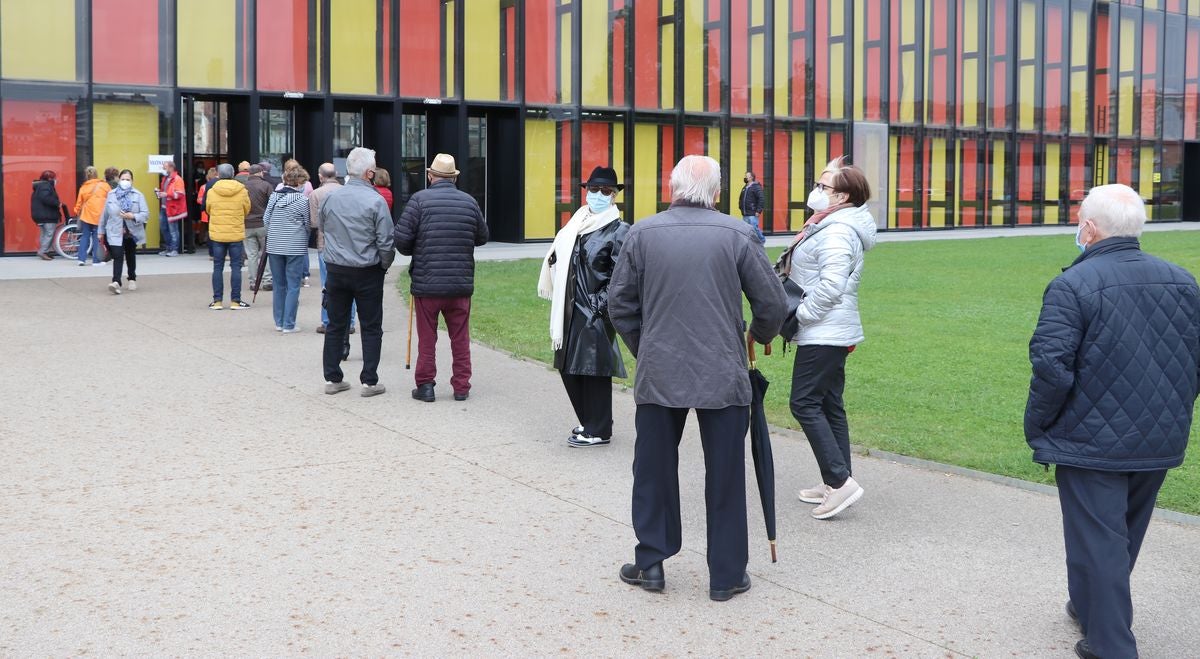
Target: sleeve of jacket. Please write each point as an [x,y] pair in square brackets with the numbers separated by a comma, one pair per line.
[384,235]
[406,229]
[143,212]
[79,201]
[107,214]
[603,263]
[625,295]
[245,197]
[270,210]
[481,228]
[757,200]
[1052,352]
[768,302]
[177,191]
[835,263]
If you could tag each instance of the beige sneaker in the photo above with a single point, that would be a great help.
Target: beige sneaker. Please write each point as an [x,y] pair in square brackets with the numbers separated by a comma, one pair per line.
[815,494]
[838,500]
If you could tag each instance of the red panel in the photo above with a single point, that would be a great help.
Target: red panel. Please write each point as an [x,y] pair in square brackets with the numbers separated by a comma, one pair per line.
[781,181]
[1125,165]
[645,54]
[541,36]
[125,41]
[1150,92]
[1054,27]
[421,42]
[1052,104]
[619,28]
[873,108]
[596,149]
[821,62]
[1025,171]
[969,190]
[798,81]
[712,61]
[837,144]
[894,60]
[874,20]
[940,14]
[799,19]
[939,104]
[1024,214]
[755,155]
[667,162]
[35,136]
[739,58]
[694,140]
[282,32]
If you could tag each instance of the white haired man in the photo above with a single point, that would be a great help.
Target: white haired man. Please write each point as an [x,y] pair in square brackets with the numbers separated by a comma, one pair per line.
[356,230]
[685,331]
[1115,357]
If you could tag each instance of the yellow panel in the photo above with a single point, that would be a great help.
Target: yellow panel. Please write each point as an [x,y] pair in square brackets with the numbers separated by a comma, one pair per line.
[937,170]
[565,59]
[757,73]
[123,134]
[739,161]
[757,13]
[714,145]
[595,62]
[38,39]
[540,185]
[782,59]
[1125,106]
[693,56]
[207,48]
[820,155]
[970,93]
[1079,37]
[893,170]
[1146,178]
[908,23]
[352,55]
[1026,92]
[837,95]
[998,180]
[937,217]
[1050,172]
[1050,215]
[799,183]
[1128,43]
[667,72]
[837,18]
[970,20]
[645,169]
[1100,170]
[448,52]
[908,70]
[1079,102]
[481,49]
[1028,30]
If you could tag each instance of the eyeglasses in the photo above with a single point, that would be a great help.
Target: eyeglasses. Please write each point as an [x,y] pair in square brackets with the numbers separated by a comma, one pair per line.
[602,189]
[824,188]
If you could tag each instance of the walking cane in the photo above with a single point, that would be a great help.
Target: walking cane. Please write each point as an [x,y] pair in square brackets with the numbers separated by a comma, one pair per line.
[408,358]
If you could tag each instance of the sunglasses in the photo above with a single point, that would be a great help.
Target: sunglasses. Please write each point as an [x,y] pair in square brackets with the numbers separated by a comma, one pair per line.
[602,189]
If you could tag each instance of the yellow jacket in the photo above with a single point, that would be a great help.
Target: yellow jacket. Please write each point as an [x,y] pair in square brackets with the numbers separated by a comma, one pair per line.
[89,205]
[227,204]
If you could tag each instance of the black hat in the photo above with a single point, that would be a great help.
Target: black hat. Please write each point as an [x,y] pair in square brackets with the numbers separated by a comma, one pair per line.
[606,176]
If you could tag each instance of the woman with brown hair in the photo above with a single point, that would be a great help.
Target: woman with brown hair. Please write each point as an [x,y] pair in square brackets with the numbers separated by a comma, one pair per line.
[383,183]
[827,262]
[45,209]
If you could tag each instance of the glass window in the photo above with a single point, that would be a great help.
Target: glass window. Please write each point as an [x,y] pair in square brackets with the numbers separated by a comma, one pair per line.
[792,68]
[869,79]
[971,72]
[277,136]
[412,158]
[210,132]
[422,38]
[939,82]
[653,160]
[288,47]
[360,57]
[906,58]
[125,43]
[654,54]
[211,51]
[490,49]
[38,40]
[549,55]
[125,130]
[999,65]
[830,54]
[347,132]
[603,61]
[551,193]
[36,135]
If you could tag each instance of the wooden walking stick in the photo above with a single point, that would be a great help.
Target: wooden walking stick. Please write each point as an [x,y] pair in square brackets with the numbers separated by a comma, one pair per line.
[408,357]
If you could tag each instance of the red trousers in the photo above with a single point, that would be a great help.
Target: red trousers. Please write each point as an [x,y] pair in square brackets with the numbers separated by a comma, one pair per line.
[457,312]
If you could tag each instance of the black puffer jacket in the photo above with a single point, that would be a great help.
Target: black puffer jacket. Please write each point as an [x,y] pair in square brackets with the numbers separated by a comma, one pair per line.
[1115,357]
[44,205]
[440,228]
[589,340]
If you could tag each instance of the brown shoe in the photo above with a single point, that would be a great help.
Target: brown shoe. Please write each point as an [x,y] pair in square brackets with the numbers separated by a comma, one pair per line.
[320,329]
[45,257]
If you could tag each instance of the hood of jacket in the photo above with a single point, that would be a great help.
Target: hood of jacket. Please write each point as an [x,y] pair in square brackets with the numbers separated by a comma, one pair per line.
[859,219]
[226,187]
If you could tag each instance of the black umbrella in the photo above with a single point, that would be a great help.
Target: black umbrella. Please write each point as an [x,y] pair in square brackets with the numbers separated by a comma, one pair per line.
[258,276]
[760,443]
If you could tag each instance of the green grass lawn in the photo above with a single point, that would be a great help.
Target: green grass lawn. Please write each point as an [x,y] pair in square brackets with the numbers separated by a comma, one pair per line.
[944,372]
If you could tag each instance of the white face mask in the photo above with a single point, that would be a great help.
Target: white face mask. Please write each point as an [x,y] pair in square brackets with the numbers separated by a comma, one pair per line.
[818,200]
[1078,236]
[125,185]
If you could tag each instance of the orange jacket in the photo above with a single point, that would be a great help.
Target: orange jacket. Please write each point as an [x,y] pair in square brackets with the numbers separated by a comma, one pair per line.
[173,197]
[89,205]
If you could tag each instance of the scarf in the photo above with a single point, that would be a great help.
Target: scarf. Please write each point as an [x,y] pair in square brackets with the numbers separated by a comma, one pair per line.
[552,282]
[125,197]
[783,267]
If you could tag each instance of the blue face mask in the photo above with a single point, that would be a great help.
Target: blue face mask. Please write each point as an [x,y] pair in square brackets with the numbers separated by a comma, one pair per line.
[1079,244]
[598,201]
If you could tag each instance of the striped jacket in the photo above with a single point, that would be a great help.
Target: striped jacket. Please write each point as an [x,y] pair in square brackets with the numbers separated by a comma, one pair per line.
[286,219]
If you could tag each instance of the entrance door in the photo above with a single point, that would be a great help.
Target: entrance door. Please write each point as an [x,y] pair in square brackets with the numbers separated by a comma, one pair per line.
[292,129]
[213,130]
[1191,182]
[503,172]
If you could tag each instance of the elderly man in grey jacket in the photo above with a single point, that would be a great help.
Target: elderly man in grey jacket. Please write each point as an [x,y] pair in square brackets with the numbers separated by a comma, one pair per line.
[676,299]
[358,249]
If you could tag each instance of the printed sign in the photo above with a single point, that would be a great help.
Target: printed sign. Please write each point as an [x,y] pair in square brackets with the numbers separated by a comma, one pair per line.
[157,162]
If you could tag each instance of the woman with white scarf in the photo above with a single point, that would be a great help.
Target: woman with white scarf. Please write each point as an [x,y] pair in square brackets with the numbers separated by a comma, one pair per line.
[574,277]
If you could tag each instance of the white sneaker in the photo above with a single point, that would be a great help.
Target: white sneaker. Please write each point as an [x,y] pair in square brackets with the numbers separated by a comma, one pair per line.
[132,285]
[838,500]
[82,263]
[290,331]
[815,494]
[336,387]
[98,265]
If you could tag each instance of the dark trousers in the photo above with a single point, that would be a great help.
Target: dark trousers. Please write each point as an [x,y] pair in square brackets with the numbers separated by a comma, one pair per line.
[127,250]
[345,286]
[591,396]
[818,380]
[656,488]
[457,312]
[1105,516]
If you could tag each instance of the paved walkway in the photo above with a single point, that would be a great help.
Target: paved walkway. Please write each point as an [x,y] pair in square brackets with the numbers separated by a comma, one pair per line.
[176,483]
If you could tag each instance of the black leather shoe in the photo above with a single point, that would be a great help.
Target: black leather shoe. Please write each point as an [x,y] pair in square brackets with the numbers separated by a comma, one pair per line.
[726,595]
[1084,650]
[463,396]
[650,579]
[1074,616]
[424,392]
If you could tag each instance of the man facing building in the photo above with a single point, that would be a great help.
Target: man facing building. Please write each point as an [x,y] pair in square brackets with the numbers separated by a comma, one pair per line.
[327,183]
[676,299]
[440,228]
[256,234]
[356,230]
[227,204]
[1115,356]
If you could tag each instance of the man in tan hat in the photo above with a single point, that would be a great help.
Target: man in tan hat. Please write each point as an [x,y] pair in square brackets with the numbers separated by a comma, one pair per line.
[440,228]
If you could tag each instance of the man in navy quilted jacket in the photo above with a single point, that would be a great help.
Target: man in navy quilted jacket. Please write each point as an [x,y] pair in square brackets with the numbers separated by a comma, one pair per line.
[1115,356]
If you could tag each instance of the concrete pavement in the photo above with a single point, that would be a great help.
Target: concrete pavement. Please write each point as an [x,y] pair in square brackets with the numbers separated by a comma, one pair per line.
[173,482]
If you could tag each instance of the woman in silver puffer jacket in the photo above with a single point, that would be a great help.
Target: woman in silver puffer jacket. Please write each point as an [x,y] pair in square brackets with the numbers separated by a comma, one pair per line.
[827,262]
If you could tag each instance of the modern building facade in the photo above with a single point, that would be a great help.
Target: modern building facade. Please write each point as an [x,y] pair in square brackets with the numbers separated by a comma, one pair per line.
[965,113]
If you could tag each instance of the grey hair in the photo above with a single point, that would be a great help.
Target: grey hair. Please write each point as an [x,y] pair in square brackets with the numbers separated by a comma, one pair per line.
[327,171]
[224,170]
[696,179]
[1116,210]
[359,161]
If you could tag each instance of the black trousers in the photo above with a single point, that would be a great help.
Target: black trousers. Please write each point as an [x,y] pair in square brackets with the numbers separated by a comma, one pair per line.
[656,488]
[591,396]
[128,250]
[818,380]
[345,286]
[1105,516]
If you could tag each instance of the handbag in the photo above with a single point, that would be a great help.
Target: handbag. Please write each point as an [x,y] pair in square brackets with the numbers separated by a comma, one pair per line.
[794,292]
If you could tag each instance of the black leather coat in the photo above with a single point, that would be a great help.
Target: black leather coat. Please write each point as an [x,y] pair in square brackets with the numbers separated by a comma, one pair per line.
[589,340]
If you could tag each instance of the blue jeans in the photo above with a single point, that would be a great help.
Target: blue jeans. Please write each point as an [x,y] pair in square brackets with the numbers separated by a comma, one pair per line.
[324,313]
[287,273]
[236,253]
[752,220]
[89,241]
[170,235]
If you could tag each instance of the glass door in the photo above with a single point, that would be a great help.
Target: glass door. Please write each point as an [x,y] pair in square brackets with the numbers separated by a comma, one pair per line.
[276,137]
[410,175]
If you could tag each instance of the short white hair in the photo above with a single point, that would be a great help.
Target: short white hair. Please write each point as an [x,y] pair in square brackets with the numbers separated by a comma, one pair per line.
[1116,210]
[696,179]
[359,161]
